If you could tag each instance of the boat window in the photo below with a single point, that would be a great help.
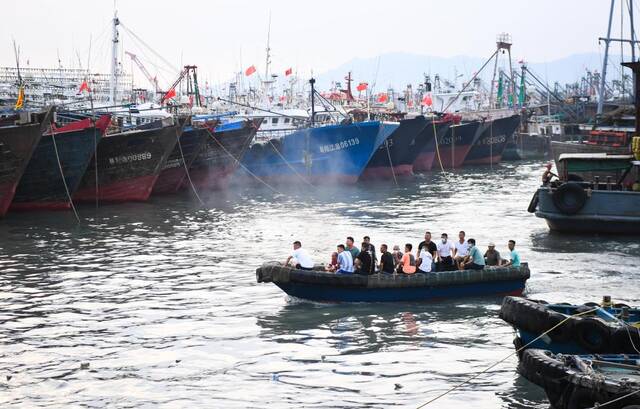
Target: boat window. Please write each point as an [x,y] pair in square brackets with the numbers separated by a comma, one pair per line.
[287,120]
[264,121]
[274,120]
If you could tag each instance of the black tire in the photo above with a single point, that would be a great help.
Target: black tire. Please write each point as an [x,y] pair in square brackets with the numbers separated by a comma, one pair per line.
[591,304]
[569,198]
[621,305]
[624,339]
[593,335]
[544,370]
[581,398]
[533,204]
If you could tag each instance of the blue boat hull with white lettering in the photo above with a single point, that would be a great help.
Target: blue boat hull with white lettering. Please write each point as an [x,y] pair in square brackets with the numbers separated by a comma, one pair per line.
[328,154]
[330,287]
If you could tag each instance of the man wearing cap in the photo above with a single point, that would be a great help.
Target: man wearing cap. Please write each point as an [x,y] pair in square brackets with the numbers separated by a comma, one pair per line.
[492,256]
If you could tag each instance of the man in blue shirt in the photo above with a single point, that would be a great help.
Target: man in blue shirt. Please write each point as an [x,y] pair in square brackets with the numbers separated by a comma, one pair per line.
[475,259]
[345,261]
[515,257]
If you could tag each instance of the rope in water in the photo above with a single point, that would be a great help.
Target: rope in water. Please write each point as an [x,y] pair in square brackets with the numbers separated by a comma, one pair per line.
[64,181]
[240,163]
[504,359]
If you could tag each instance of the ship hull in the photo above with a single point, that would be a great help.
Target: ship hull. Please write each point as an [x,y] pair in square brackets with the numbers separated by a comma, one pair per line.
[42,186]
[493,139]
[329,154]
[454,145]
[17,144]
[174,172]
[128,165]
[423,153]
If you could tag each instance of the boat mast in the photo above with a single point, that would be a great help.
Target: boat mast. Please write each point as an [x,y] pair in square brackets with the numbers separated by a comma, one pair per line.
[113,83]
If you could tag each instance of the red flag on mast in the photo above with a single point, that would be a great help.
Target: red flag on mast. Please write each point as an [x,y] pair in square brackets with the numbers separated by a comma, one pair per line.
[250,70]
[84,87]
[288,72]
[427,100]
[362,86]
[383,98]
[170,94]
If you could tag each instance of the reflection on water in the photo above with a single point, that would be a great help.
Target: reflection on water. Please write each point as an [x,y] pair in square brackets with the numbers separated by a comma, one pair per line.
[156,304]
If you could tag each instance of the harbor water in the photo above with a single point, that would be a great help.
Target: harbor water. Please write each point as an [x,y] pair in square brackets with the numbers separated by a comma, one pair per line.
[156,304]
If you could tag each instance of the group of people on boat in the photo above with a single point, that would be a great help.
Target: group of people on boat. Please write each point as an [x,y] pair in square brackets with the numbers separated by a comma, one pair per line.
[445,255]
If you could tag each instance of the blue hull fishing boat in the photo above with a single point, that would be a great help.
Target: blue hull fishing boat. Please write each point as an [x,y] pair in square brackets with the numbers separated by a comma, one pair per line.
[592,328]
[328,154]
[323,286]
[584,381]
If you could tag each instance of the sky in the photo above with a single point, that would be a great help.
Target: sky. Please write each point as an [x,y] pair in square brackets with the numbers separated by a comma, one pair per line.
[222,36]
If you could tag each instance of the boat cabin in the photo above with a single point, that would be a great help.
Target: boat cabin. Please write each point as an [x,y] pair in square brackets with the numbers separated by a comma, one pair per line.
[601,170]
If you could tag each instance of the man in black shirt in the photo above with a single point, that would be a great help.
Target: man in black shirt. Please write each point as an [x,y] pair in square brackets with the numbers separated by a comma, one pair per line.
[365,266]
[387,264]
[366,243]
[431,248]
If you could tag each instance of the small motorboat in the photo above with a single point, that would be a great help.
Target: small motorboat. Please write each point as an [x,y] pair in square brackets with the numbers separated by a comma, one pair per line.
[592,328]
[584,381]
[318,285]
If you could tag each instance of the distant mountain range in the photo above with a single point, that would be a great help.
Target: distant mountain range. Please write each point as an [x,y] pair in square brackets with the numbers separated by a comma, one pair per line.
[399,69]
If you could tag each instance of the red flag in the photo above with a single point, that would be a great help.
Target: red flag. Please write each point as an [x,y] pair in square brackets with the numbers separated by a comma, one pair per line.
[84,87]
[283,98]
[288,72]
[410,104]
[426,100]
[170,94]
[383,98]
[250,70]
[362,86]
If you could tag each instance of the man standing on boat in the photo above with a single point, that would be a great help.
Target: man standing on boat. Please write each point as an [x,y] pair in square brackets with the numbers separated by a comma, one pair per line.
[351,248]
[302,257]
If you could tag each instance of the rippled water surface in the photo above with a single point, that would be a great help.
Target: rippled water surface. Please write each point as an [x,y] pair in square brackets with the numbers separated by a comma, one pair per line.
[160,299]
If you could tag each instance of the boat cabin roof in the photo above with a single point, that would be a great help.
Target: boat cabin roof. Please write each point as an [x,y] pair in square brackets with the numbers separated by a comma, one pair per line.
[595,162]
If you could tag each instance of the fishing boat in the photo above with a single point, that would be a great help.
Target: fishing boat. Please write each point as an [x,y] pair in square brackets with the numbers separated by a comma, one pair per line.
[607,205]
[19,137]
[58,165]
[318,285]
[223,150]
[451,149]
[128,164]
[393,157]
[423,152]
[589,328]
[584,381]
[491,143]
[327,154]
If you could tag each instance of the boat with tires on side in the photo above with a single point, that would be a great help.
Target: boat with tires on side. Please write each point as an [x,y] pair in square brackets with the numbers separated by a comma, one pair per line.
[584,381]
[608,205]
[318,285]
[581,329]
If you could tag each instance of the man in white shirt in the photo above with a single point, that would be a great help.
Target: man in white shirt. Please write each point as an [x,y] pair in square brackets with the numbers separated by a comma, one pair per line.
[445,253]
[426,260]
[462,248]
[302,258]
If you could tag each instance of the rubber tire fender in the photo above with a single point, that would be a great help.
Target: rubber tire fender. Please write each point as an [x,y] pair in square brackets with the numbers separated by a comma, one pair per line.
[533,204]
[622,343]
[569,198]
[593,335]
[581,398]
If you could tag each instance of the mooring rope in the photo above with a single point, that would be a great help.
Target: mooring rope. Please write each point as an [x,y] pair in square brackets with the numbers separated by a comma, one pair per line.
[64,181]
[240,163]
[466,381]
[186,167]
[393,171]
[435,135]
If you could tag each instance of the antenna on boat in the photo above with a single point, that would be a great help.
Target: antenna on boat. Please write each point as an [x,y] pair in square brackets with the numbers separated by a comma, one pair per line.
[312,81]
[16,51]
[113,82]
[266,69]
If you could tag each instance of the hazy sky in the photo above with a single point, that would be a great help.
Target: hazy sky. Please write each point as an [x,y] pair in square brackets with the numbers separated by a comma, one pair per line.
[222,36]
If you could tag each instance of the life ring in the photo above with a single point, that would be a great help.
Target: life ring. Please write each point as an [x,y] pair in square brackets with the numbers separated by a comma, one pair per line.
[533,203]
[569,198]
[592,334]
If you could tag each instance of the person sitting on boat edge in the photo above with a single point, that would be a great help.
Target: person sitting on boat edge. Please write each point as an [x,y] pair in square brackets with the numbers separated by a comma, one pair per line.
[351,248]
[461,248]
[366,266]
[475,260]
[302,257]
[333,264]
[366,245]
[515,257]
[431,247]
[492,256]
[387,264]
[345,262]
[408,263]
[548,175]
[445,254]
[425,260]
